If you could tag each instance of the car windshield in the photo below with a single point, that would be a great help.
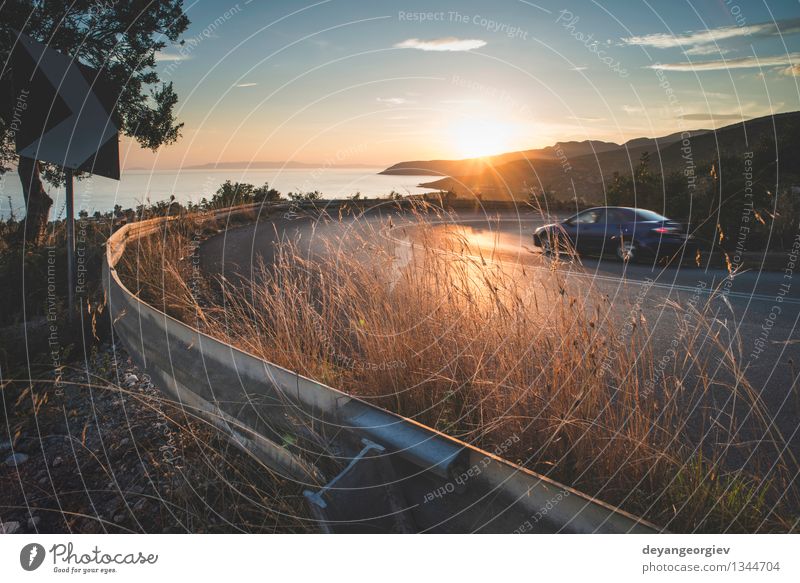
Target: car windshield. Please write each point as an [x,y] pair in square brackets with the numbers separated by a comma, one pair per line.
[646,215]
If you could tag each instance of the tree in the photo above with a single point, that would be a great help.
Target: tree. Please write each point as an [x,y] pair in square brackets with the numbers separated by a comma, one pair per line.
[619,191]
[265,194]
[232,194]
[305,196]
[119,38]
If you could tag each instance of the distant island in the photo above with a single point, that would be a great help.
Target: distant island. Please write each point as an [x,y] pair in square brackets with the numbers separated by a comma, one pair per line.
[267,164]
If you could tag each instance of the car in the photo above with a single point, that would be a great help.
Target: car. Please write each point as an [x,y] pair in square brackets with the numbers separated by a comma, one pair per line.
[629,233]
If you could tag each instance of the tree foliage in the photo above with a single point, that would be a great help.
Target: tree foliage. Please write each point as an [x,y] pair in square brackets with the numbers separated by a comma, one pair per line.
[121,38]
[748,199]
[236,193]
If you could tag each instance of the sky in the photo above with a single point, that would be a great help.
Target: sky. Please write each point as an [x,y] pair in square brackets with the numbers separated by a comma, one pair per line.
[346,82]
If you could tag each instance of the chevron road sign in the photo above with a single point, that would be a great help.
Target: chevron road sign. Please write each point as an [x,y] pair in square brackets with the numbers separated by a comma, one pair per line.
[66,121]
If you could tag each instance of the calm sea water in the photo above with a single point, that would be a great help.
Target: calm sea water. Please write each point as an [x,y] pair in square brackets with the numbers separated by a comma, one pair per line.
[101,194]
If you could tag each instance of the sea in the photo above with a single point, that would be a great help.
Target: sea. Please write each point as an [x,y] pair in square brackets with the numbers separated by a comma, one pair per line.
[145,186]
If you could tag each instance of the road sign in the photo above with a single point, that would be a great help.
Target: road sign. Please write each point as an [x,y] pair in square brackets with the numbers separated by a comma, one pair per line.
[67,119]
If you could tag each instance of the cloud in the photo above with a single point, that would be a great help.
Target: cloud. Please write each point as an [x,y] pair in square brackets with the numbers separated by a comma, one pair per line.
[707,50]
[162,57]
[710,116]
[581,118]
[449,43]
[582,68]
[722,65]
[393,100]
[459,101]
[631,110]
[703,94]
[715,35]
[246,84]
[793,71]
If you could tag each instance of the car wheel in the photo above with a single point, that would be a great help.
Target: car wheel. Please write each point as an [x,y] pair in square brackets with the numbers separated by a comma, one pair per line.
[627,251]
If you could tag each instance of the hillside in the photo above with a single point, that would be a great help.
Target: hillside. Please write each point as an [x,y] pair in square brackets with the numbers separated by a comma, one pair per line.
[579,169]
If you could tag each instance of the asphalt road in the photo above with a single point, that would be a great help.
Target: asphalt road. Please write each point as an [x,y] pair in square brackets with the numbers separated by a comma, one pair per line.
[762,308]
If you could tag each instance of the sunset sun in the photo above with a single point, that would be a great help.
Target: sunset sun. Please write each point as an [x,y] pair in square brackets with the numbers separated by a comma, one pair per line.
[475,138]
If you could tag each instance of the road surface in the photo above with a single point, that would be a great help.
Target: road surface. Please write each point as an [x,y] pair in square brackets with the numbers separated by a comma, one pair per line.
[763,308]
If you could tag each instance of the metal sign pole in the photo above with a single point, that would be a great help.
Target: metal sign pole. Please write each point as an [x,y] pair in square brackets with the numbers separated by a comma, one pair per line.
[70,244]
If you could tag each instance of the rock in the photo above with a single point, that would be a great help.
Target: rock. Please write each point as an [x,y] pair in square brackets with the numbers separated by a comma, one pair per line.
[4,445]
[9,527]
[16,459]
[43,481]
[130,380]
[33,522]
[124,441]
[140,505]
[57,461]
[119,518]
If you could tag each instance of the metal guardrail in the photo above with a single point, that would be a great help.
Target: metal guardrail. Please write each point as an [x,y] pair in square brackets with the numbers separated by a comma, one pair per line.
[364,469]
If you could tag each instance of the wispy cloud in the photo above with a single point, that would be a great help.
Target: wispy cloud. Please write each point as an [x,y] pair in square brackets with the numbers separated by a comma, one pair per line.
[393,100]
[707,50]
[162,57]
[793,71]
[715,35]
[581,68]
[632,110]
[724,64]
[581,118]
[246,84]
[449,43]
[703,94]
[710,116]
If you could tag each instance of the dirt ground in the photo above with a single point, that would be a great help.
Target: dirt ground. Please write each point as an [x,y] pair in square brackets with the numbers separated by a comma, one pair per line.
[97,449]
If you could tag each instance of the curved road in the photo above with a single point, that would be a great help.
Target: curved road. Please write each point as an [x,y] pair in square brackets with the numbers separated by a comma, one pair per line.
[765,314]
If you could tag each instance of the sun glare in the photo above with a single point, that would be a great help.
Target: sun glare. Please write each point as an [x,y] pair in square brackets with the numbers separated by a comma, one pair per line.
[475,138]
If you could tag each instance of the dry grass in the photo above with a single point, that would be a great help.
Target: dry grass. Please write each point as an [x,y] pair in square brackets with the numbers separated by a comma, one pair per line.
[484,352]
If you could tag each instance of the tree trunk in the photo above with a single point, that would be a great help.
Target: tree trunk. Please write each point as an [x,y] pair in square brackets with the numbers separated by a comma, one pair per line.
[37,202]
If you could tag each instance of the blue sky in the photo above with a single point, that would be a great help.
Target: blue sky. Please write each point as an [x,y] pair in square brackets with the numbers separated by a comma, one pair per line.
[350,82]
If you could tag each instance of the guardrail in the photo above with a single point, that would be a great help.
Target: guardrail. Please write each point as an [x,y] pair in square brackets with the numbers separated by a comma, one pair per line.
[363,468]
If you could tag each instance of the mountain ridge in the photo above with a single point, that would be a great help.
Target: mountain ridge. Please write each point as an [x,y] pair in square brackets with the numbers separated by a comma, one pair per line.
[581,169]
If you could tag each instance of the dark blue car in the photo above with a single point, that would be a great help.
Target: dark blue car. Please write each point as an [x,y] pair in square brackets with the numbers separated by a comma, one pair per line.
[629,233]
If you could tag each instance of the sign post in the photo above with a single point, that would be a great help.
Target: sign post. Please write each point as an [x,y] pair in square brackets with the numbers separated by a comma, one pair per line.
[70,192]
[67,122]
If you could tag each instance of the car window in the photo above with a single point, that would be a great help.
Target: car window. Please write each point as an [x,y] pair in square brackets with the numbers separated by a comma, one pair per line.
[586,217]
[625,215]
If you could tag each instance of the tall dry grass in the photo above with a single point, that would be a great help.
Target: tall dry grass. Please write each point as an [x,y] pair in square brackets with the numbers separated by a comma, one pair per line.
[482,351]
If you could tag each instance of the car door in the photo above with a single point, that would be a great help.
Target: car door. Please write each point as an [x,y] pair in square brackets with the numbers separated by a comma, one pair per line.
[594,233]
[579,229]
[614,229]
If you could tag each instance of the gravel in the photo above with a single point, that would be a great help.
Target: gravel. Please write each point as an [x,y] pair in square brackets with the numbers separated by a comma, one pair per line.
[16,459]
